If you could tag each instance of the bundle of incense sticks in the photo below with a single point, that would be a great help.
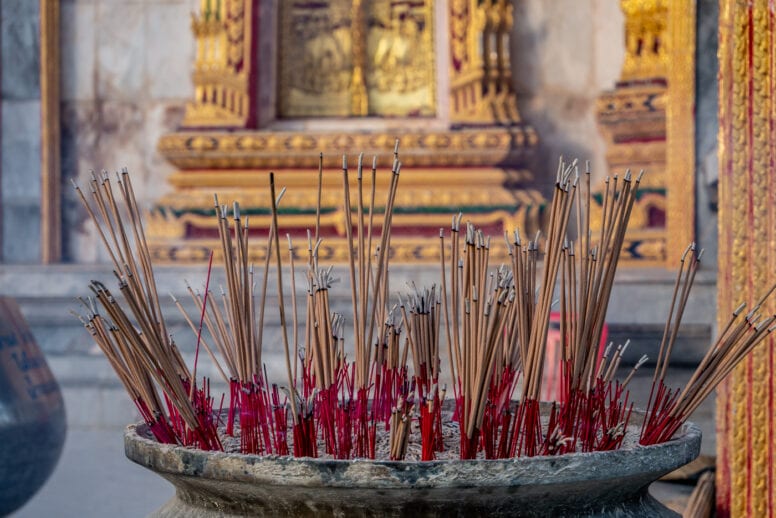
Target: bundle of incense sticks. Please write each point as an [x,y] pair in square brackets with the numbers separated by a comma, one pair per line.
[422,327]
[493,318]
[667,409]
[133,335]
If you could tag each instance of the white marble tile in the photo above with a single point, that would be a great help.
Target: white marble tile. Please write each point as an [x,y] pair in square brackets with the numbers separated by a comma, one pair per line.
[567,45]
[20,25]
[79,136]
[609,42]
[120,51]
[120,144]
[161,117]
[21,232]
[20,150]
[169,50]
[553,45]
[78,48]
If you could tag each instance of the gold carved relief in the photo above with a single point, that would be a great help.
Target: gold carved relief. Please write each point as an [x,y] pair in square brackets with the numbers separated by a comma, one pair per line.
[480,71]
[224,65]
[342,58]
[352,58]
[272,150]
[646,23]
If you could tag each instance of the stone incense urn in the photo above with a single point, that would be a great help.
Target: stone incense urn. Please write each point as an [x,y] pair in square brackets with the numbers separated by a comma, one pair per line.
[605,484]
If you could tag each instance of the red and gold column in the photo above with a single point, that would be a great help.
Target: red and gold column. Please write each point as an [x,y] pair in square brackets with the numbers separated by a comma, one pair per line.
[746,475]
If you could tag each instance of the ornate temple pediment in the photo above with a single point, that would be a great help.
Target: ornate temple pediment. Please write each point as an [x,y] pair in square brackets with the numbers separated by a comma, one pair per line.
[345,76]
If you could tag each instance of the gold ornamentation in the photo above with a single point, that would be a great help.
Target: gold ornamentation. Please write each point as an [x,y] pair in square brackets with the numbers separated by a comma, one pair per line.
[224,65]
[265,150]
[404,249]
[644,244]
[480,70]
[725,391]
[680,126]
[332,250]
[421,188]
[400,68]
[50,135]
[354,58]
[747,255]
[646,24]
[424,204]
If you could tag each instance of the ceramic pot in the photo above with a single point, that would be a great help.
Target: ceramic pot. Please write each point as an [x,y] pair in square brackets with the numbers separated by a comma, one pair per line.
[32,413]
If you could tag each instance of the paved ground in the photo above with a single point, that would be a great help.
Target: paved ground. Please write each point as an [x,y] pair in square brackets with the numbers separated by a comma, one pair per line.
[94,479]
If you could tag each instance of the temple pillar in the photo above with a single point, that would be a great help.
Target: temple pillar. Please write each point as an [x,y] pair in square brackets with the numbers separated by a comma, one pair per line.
[747,251]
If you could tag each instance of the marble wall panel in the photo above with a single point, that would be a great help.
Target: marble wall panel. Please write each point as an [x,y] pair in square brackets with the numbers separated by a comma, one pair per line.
[112,135]
[20,137]
[120,50]
[168,62]
[561,63]
[21,232]
[561,43]
[161,117]
[78,37]
[79,156]
[20,49]
[20,151]
[126,76]
[609,43]
[20,207]
[118,128]
[706,128]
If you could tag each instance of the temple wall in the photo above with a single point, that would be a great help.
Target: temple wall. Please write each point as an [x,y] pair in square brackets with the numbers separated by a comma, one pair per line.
[564,55]
[126,75]
[20,148]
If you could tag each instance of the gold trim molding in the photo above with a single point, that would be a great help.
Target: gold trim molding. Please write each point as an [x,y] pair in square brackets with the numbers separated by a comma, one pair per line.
[50,135]
[646,25]
[680,125]
[266,150]
[746,410]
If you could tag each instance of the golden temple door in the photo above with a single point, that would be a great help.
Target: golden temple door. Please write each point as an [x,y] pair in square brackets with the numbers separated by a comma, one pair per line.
[348,58]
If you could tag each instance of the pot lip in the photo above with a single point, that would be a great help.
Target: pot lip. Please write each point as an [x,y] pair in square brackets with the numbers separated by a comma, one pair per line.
[688,432]
[176,460]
